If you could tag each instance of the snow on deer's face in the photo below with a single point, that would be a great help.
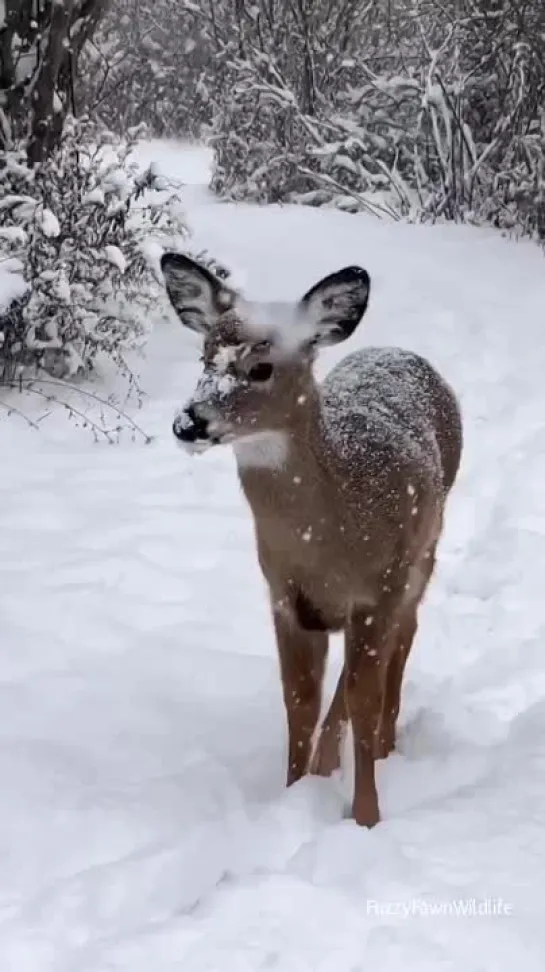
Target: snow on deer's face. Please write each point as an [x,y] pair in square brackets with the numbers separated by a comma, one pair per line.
[249,387]
[257,366]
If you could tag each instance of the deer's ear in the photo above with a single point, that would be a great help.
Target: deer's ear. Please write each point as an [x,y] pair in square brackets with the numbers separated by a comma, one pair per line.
[334,307]
[195,293]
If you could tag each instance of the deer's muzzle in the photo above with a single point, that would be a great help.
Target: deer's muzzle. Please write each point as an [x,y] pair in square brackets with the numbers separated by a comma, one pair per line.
[190,428]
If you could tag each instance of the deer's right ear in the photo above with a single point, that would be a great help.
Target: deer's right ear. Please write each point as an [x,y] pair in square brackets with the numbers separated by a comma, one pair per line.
[195,293]
[335,305]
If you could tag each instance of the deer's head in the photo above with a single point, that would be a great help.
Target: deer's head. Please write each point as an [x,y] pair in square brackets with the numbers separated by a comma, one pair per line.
[255,373]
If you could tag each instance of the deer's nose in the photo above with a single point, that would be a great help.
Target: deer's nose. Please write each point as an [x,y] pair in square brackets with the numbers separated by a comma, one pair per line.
[189,426]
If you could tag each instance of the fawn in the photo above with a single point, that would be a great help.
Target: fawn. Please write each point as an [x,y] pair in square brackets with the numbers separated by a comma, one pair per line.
[347,482]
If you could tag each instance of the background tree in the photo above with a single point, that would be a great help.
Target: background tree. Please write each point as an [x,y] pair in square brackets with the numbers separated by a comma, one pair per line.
[40,45]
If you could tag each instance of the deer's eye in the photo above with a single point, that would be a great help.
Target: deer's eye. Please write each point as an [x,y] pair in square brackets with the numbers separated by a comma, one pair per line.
[261,371]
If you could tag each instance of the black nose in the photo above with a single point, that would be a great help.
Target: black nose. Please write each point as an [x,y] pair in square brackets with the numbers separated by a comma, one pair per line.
[189,426]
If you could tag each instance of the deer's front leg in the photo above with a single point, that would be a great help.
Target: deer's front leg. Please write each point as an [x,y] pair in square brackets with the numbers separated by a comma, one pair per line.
[302,656]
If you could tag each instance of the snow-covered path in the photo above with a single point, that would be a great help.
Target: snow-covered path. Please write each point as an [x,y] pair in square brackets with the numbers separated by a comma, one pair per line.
[143,822]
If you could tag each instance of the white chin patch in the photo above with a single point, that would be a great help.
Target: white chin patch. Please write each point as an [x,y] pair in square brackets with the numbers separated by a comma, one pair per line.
[194,448]
[263,450]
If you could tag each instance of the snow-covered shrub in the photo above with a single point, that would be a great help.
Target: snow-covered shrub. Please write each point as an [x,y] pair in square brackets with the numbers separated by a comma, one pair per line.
[79,226]
[261,159]
[278,63]
[150,61]
[408,108]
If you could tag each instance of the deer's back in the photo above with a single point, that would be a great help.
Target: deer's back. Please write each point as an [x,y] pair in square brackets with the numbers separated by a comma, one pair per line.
[388,410]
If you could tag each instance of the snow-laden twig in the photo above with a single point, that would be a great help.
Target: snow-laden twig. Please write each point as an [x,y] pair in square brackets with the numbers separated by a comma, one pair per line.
[376,209]
[60,398]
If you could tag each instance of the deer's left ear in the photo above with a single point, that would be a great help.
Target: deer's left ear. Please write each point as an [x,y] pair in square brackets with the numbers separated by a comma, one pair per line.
[335,305]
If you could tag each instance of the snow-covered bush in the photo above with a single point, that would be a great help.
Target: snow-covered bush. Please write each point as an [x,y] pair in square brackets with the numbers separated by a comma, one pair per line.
[409,108]
[278,64]
[264,160]
[150,61]
[79,226]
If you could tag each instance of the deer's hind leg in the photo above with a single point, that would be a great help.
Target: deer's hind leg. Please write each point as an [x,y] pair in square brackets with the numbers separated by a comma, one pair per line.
[326,759]
[302,655]
[327,755]
[403,637]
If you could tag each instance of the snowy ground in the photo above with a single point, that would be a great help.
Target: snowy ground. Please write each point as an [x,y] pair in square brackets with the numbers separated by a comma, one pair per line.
[143,821]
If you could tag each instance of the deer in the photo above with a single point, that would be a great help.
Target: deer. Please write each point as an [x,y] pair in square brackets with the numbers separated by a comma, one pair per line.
[347,481]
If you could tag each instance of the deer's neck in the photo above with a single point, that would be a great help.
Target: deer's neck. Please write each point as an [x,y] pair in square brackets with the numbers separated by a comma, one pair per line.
[289,458]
